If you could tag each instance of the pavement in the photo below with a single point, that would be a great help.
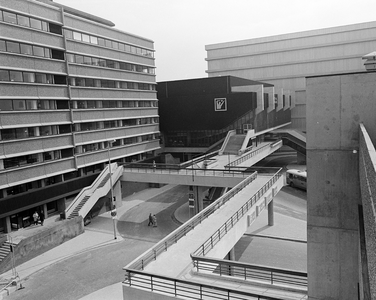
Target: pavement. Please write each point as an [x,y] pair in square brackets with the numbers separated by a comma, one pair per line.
[94,237]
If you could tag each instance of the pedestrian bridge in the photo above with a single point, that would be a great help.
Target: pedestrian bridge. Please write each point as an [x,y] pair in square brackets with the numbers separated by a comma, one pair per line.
[189,264]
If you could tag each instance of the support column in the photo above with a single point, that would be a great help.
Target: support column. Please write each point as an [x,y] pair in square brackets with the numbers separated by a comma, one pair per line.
[231,256]
[271,213]
[117,194]
[7,225]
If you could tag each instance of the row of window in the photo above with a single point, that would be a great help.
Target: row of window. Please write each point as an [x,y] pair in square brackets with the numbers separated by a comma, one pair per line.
[30,132]
[27,49]
[92,39]
[26,21]
[20,104]
[94,61]
[32,77]
[112,84]
[23,160]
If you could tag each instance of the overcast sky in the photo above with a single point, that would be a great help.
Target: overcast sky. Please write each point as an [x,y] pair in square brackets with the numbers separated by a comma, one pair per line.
[180,29]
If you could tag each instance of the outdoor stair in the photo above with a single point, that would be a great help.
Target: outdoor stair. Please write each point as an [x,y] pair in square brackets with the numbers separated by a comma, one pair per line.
[4,250]
[78,207]
[234,144]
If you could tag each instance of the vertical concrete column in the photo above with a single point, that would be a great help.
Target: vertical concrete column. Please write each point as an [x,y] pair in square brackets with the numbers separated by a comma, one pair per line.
[271,213]
[199,194]
[231,256]
[7,225]
[117,194]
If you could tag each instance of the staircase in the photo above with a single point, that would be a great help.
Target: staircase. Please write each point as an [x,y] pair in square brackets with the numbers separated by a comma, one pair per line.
[4,250]
[234,144]
[78,207]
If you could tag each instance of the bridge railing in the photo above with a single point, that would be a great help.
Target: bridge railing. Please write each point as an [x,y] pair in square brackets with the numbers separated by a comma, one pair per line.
[247,156]
[184,289]
[250,272]
[219,234]
[162,246]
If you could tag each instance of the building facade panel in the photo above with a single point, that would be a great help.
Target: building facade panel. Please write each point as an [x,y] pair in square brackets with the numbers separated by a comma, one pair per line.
[16,90]
[33,118]
[26,63]
[95,93]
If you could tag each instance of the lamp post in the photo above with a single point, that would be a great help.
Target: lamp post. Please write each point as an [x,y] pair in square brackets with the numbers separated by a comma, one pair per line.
[112,204]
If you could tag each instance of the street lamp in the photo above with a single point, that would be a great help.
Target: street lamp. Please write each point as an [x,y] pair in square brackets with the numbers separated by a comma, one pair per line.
[112,204]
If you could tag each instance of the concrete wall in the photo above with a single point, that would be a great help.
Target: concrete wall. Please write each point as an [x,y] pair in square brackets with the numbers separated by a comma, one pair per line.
[335,107]
[37,244]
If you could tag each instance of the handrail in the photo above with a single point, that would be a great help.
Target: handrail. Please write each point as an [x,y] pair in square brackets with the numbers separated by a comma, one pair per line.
[246,157]
[229,134]
[245,271]
[162,246]
[217,236]
[186,289]
[87,190]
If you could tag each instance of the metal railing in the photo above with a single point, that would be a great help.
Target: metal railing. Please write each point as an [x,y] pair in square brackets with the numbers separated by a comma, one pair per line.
[250,272]
[247,156]
[175,236]
[218,235]
[186,289]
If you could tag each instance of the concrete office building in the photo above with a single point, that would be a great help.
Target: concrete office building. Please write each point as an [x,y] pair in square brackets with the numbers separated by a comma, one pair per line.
[71,86]
[285,60]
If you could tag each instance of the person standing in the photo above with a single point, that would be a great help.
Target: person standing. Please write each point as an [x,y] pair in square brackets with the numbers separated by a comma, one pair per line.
[41,217]
[150,220]
[155,221]
[35,217]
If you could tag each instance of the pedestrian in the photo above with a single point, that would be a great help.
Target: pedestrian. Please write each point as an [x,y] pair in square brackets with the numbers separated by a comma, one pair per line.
[150,220]
[41,217]
[35,217]
[155,221]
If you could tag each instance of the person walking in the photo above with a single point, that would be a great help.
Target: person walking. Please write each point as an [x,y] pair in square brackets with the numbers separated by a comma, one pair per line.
[35,217]
[150,220]
[155,221]
[41,217]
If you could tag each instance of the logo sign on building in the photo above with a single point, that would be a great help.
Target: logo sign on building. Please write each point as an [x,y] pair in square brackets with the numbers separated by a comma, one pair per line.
[220,104]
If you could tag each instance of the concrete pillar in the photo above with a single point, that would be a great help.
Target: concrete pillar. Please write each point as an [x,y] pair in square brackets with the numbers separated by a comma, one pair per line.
[117,194]
[7,225]
[231,256]
[271,213]
[199,193]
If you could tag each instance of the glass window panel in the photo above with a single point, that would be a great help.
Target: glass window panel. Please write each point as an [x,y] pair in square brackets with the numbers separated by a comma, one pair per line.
[38,51]
[19,105]
[89,82]
[108,43]
[45,130]
[68,33]
[43,104]
[22,133]
[101,42]
[55,28]
[102,62]
[50,78]
[4,75]
[31,104]
[70,57]
[26,49]
[79,59]
[34,23]
[22,20]
[40,78]
[8,134]
[115,45]
[94,61]
[121,47]
[80,81]
[127,48]
[87,60]
[13,47]
[86,38]
[6,105]
[91,104]
[77,35]
[45,26]
[15,76]
[2,46]
[10,17]
[1,15]
[93,40]
[29,77]
[47,53]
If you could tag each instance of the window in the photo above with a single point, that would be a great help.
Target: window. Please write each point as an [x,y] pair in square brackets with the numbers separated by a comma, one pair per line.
[4,75]
[89,82]
[68,33]
[108,43]
[3,46]
[70,57]
[77,35]
[13,47]
[87,60]
[85,38]
[28,77]
[10,17]
[93,40]
[22,133]
[15,76]
[79,59]
[80,81]
[40,78]
[22,20]
[34,23]
[101,42]
[19,105]
[8,134]
[121,47]
[91,104]
[38,51]
[55,28]
[31,104]
[60,79]
[6,104]
[57,54]
[26,49]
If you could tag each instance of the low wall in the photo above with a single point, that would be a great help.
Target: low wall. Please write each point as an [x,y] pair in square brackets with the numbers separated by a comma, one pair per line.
[33,246]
